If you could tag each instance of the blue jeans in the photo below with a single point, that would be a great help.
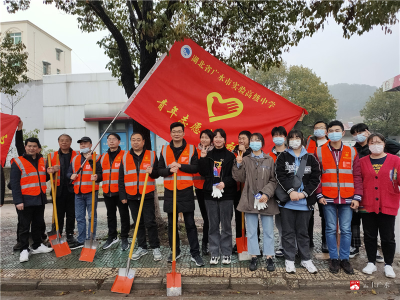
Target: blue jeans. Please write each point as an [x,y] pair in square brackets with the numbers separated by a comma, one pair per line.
[345,214]
[252,236]
[83,203]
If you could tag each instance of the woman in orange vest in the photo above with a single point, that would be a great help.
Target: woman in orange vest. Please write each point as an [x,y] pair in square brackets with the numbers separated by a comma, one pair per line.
[206,137]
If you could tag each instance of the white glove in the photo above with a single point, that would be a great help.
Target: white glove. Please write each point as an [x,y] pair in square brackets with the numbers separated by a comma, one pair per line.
[216,193]
[262,205]
[256,203]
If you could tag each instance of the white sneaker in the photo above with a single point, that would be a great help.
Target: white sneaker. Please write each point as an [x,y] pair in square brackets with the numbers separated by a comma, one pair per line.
[42,249]
[308,264]
[379,258]
[214,260]
[369,269]
[290,268]
[389,272]
[24,256]
[226,259]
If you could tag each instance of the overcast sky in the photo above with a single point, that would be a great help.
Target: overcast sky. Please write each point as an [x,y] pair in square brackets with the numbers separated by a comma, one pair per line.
[368,59]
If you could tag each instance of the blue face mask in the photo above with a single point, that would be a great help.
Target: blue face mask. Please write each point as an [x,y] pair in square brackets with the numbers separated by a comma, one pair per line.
[360,138]
[319,132]
[84,150]
[255,146]
[335,136]
[278,141]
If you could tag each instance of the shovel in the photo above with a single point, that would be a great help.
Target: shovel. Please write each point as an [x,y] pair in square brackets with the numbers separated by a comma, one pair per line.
[52,235]
[124,280]
[90,246]
[241,244]
[59,244]
[174,286]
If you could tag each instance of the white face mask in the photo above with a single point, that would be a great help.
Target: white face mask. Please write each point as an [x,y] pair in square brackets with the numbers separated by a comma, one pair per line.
[84,150]
[376,149]
[295,144]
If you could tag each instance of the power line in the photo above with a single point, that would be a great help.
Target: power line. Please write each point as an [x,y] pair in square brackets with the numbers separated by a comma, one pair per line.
[82,61]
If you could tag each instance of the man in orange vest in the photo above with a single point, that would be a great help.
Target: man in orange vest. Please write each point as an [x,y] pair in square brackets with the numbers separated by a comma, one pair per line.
[82,179]
[180,158]
[110,163]
[28,181]
[340,191]
[65,198]
[132,173]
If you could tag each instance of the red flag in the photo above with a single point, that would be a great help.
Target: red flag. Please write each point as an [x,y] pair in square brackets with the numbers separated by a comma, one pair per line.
[193,87]
[8,126]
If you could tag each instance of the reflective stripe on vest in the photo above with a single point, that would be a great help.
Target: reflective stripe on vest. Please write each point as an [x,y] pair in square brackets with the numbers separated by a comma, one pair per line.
[130,173]
[32,181]
[184,180]
[339,177]
[198,180]
[311,145]
[83,183]
[111,172]
[53,157]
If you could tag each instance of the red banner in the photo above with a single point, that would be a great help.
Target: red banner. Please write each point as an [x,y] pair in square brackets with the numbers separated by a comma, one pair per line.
[8,126]
[193,87]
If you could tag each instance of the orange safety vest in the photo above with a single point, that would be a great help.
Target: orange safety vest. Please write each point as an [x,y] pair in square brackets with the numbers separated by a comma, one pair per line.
[184,180]
[32,180]
[337,179]
[111,172]
[130,174]
[273,155]
[198,180]
[54,162]
[85,183]
[311,145]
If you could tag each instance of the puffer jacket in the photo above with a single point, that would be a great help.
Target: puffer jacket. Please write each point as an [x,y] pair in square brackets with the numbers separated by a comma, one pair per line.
[258,175]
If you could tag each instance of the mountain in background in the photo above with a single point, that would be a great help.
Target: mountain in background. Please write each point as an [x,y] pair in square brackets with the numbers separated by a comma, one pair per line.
[351,99]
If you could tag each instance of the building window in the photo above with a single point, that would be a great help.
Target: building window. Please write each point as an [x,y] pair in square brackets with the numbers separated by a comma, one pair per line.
[58,71]
[58,53]
[16,37]
[46,68]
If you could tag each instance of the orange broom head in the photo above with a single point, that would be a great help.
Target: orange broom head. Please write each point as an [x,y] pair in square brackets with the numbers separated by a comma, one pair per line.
[87,254]
[61,249]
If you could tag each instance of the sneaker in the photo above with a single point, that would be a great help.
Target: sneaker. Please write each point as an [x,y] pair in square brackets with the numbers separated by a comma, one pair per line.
[334,266]
[17,246]
[42,249]
[279,253]
[354,251]
[75,245]
[124,244]
[346,266]
[379,258]
[204,249]
[71,240]
[24,256]
[226,259]
[253,264]
[290,268]
[214,260]
[139,253]
[170,257]
[45,239]
[370,268]
[270,265]
[110,242]
[389,272]
[308,264]
[324,248]
[157,254]
[198,260]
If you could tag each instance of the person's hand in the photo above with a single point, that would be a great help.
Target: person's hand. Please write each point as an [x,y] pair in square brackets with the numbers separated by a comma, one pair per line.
[56,168]
[20,206]
[50,170]
[264,198]
[149,169]
[175,164]
[367,133]
[93,177]
[204,152]
[302,117]
[20,124]
[354,204]
[74,176]
[242,148]
[124,201]
[239,158]
[220,185]
[174,170]
[322,201]
[294,196]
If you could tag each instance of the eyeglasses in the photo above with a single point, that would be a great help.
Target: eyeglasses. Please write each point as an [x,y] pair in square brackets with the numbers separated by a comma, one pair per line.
[112,140]
[320,128]
[177,132]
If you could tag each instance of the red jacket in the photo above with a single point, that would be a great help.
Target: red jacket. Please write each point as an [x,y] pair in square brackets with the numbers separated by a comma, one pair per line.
[381,194]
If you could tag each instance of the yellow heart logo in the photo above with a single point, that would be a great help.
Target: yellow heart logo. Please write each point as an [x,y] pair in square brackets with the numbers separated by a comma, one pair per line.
[234,105]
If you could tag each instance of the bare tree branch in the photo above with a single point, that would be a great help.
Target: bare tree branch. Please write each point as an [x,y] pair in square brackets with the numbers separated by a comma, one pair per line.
[137,9]
[133,22]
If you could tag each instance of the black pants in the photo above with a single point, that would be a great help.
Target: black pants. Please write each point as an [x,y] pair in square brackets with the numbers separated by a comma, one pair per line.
[147,221]
[66,209]
[311,225]
[111,204]
[191,231]
[18,224]
[373,222]
[355,229]
[203,210]
[31,217]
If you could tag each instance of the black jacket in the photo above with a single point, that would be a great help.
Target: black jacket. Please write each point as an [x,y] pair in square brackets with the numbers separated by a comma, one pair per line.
[121,184]
[99,170]
[15,181]
[311,179]
[392,147]
[185,197]
[247,152]
[206,168]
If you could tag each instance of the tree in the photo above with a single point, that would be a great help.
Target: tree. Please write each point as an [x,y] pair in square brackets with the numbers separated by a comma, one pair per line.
[382,112]
[303,87]
[240,33]
[13,100]
[13,64]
